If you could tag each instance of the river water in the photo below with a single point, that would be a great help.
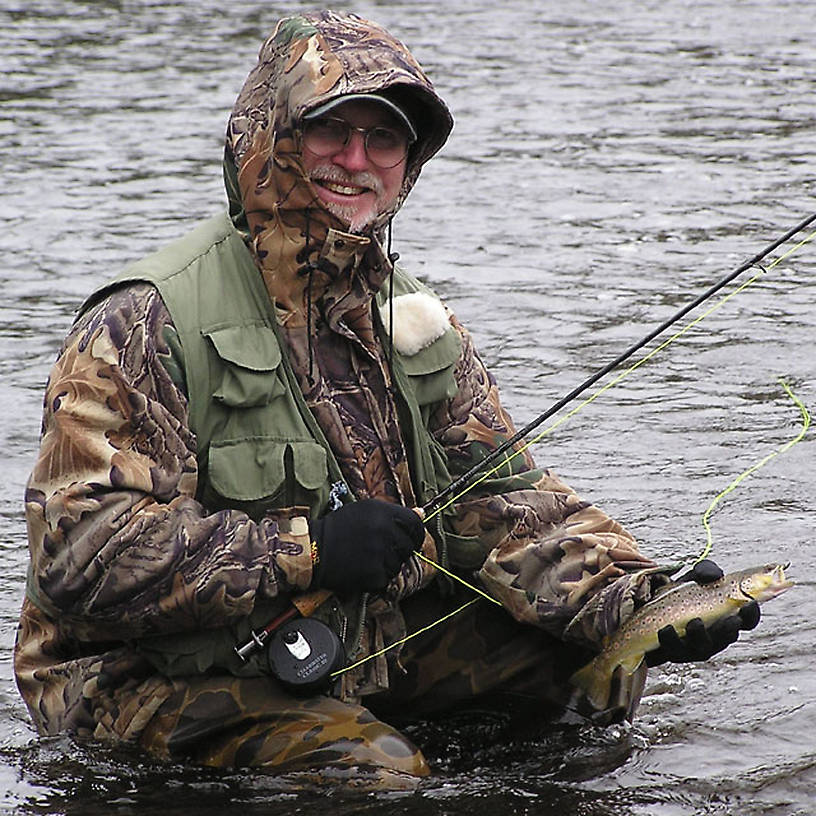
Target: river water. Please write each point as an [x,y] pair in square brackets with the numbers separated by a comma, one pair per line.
[610,161]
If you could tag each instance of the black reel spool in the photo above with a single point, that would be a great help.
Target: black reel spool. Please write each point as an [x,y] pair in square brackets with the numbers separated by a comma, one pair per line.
[303,654]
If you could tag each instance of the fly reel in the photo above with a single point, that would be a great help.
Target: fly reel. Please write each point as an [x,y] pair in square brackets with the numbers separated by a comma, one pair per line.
[303,653]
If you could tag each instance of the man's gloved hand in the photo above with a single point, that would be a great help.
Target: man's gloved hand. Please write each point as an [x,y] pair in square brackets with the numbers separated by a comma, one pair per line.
[361,546]
[700,641]
[702,572]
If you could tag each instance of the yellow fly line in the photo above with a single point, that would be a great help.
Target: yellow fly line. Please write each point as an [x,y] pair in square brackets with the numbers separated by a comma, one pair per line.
[625,373]
[407,637]
[550,428]
[746,473]
[464,606]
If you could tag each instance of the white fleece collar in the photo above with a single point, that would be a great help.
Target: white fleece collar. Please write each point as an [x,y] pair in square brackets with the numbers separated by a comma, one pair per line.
[419,320]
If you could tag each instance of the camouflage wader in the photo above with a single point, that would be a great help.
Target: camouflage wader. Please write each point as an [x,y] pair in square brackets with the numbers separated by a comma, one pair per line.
[252,722]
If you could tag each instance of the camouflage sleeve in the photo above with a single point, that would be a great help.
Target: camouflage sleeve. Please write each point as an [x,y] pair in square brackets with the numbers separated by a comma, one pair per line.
[119,546]
[553,559]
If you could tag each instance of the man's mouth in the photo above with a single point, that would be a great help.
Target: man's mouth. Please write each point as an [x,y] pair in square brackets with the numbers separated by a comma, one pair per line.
[353,198]
[342,189]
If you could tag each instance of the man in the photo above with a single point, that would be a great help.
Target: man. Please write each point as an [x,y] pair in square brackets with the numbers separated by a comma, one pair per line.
[237,429]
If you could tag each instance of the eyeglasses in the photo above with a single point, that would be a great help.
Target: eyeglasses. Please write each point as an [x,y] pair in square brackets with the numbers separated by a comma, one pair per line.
[385,147]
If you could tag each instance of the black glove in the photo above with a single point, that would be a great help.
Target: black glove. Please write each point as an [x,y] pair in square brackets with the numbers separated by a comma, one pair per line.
[703,572]
[361,546]
[700,641]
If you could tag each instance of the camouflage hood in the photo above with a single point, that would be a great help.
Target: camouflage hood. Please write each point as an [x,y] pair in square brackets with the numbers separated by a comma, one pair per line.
[307,61]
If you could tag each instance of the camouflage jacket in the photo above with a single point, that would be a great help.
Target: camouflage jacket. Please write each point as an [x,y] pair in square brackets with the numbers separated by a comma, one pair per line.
[121,548]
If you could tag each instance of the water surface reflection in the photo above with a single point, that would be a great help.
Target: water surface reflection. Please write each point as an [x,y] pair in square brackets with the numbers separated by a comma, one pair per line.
[610,160]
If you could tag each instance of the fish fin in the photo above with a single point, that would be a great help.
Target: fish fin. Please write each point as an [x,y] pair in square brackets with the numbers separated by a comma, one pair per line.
[596,681]
[596,684]
[632,664]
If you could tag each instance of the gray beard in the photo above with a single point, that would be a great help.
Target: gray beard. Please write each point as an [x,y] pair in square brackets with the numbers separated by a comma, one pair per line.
[357,222]
[356,225]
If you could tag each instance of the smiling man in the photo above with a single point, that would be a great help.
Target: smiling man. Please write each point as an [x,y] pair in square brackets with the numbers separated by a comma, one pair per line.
[237,430]
[354,152]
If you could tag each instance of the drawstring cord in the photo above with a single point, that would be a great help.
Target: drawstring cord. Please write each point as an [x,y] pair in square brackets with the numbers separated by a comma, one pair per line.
[393,257]
[309,323]
[308,269]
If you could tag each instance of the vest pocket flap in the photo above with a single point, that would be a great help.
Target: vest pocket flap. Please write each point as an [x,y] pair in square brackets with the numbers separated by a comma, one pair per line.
[253,347]
[442,353]
[431,370]
[240,388]
[253,469]
[310,464]
[251,356]
[246,470]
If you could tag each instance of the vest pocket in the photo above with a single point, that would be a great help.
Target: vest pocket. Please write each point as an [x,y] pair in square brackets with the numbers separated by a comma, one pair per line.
[260,455]
[466,552]
[250,357]
[247,470]
[431,371]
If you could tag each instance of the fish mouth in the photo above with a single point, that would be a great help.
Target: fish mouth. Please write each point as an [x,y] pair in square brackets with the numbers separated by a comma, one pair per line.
[778,573]
[769,583]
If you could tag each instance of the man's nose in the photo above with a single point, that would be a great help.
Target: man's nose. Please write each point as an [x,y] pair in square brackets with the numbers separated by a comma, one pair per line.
[353,156]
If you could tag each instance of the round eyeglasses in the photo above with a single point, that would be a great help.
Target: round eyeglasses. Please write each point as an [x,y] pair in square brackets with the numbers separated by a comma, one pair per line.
[385,147]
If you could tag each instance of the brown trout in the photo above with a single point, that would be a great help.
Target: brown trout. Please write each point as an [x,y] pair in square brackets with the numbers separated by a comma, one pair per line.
[676,606]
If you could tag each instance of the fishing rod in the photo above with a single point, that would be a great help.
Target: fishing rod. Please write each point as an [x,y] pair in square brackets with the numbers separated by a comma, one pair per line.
[306,655]
[463,483]
[438,501]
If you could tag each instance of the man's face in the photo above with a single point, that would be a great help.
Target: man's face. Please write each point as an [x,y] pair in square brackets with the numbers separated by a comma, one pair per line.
[347,181]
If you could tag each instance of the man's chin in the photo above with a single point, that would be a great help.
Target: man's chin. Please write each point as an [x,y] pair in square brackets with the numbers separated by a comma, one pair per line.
[354,220]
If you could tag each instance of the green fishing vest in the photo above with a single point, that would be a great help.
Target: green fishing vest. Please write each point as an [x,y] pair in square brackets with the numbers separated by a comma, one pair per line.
[258,445]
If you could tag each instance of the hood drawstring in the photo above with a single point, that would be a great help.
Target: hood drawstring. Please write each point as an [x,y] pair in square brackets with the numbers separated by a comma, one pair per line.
[393,257]
[308,269]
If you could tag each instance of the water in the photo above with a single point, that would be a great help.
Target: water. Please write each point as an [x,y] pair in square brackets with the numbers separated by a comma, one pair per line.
[610,161]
